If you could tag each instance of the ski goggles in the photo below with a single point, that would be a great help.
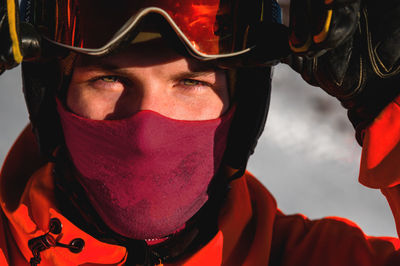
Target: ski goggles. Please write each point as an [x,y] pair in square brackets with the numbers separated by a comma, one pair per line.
[210,29]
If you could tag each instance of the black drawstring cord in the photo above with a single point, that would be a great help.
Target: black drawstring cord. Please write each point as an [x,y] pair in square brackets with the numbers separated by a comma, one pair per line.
[46,241]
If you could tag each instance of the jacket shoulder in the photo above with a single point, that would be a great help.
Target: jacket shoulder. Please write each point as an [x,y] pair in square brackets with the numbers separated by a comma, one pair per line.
[331,240]
[3,241]
[21,162]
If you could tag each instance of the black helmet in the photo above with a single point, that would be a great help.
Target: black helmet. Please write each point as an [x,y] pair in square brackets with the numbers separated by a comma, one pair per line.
[222,30]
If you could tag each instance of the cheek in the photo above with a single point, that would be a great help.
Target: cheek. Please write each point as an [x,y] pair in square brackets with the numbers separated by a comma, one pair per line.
[212,106]
[205,107]
[77,102]
[87,103]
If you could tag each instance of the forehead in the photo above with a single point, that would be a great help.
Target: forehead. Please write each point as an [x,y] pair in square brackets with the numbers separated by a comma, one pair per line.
[154,52]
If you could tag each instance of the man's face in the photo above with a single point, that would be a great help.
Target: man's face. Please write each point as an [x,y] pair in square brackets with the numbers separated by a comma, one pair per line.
[147,76]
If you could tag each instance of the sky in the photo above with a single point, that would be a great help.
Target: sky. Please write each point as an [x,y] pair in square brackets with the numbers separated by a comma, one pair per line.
[309,159]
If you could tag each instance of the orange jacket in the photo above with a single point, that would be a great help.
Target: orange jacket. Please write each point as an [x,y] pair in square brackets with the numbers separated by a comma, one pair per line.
[252,231]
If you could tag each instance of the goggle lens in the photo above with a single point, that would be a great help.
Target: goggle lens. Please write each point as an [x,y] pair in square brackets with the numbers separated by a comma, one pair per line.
[209,26]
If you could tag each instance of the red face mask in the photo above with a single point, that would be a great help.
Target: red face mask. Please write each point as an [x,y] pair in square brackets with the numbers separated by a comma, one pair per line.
[145,175]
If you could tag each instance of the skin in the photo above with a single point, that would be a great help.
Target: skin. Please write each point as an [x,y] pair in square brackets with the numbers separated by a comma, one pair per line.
[147,76]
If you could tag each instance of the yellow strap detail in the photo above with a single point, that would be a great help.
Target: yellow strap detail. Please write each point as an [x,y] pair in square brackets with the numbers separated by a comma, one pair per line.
[12,23]
[320,37]
[302,48]
[262,12]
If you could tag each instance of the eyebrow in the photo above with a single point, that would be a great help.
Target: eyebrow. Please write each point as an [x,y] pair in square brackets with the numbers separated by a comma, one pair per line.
[191,74]
[106,67]
[195,70]
[98,64]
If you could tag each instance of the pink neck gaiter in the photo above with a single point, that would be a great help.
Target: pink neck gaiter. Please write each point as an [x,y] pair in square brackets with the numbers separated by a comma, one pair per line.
[148,174]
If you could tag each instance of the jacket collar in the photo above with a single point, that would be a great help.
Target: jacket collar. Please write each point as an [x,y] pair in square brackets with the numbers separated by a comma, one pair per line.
[31,220]
[245,221]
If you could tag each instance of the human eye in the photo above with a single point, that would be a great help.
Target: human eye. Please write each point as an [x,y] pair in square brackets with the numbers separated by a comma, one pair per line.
[109,79]
[194,84]
[108,82]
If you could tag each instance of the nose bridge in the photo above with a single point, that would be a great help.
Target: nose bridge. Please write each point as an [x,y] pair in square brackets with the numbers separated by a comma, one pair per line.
[151,92]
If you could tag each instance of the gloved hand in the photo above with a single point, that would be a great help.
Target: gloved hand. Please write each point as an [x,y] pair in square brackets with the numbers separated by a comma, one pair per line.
[10,50]
[351,49]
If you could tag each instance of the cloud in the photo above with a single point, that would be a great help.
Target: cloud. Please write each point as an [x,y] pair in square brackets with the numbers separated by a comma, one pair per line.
[306,120]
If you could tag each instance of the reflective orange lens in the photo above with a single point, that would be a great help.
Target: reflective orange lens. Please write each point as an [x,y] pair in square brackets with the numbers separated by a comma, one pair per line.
[198,20]
[207,24]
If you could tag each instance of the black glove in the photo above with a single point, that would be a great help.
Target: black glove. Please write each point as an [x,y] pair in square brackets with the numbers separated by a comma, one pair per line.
[356,58]
[10,49]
